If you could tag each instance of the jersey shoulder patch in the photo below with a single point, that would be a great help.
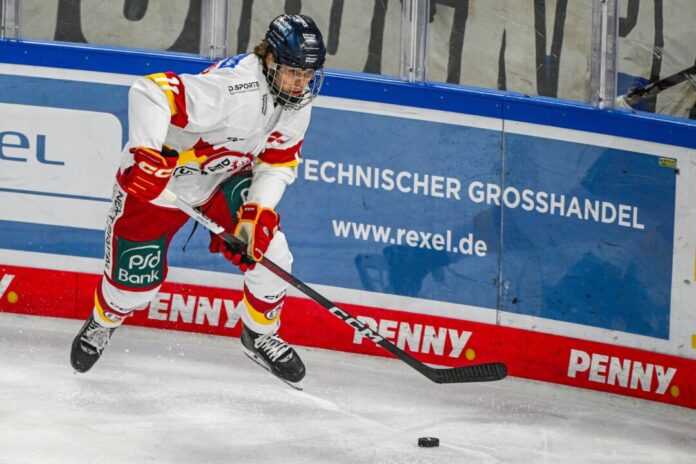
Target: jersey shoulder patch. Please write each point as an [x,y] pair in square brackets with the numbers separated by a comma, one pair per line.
[232,63]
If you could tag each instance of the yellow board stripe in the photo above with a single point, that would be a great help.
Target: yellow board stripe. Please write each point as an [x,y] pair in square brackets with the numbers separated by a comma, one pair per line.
[258,316]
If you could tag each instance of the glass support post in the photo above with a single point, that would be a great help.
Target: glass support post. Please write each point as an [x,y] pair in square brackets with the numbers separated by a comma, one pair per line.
[214,28]
[414,40]
[605,37]
[9,19]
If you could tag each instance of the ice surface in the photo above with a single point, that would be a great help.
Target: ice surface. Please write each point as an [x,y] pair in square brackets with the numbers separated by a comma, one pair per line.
[170,397]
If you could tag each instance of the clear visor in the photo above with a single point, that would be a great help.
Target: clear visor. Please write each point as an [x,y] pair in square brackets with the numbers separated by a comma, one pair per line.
[294,88]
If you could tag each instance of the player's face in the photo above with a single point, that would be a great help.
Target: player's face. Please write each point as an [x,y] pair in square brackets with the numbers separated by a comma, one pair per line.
[293,81]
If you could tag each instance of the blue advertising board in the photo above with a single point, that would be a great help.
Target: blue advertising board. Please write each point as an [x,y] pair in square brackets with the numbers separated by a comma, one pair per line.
[433,209]
[600,252]
[380,204]
[549,228]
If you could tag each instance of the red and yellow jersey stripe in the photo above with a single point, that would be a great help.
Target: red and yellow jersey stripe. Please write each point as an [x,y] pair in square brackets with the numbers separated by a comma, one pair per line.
[288,157]
[172,86]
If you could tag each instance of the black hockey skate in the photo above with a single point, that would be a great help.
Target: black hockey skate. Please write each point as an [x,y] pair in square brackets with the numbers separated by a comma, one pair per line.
[89,345]
[274,354]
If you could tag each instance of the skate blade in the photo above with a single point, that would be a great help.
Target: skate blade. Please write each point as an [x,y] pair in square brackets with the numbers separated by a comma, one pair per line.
[297,386]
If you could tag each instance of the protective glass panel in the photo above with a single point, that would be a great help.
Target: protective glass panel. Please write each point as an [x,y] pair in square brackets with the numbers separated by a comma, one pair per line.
[657,57]
[360,35]
[173,25]
[534,47]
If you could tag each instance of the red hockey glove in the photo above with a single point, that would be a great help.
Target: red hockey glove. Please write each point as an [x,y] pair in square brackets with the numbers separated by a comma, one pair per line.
[149,175]
[255,227]
[236,256]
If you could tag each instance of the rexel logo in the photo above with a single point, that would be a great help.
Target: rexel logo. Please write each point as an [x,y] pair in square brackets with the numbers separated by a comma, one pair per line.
[59,150]
[19,147]
[622,372]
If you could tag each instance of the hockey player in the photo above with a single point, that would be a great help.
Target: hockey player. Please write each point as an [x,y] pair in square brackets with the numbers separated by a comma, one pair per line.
[201,136]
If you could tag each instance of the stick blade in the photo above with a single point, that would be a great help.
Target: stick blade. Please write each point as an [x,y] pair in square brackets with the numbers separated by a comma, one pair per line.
[487,372]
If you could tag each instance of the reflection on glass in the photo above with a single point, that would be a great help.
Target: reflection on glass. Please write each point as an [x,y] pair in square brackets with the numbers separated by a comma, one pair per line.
[537,48]
[174,25]
[656,66]
[360,35]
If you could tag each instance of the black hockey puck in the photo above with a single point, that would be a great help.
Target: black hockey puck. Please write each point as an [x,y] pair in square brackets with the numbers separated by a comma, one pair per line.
[428,442]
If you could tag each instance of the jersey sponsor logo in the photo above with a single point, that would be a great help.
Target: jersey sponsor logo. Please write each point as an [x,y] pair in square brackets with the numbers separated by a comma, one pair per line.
[204,158]
[223,164]
[139,264]
[244,87]
[621,372]
[114,213]
[226,162]
[264,104]
[418,338]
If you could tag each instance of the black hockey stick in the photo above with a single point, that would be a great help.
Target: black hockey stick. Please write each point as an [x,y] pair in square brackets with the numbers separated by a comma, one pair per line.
[636,94]
[474,373]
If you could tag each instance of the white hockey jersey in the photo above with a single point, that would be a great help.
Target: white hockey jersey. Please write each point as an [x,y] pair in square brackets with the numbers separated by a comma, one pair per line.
[222,122]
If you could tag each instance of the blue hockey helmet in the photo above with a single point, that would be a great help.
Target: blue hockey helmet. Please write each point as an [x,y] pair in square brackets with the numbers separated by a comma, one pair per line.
[296,74]
[296,41]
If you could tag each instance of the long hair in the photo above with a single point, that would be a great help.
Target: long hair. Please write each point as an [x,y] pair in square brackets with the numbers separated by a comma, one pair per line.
[261,50]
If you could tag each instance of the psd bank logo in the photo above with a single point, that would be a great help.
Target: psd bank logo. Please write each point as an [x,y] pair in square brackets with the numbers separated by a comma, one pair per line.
[139,264]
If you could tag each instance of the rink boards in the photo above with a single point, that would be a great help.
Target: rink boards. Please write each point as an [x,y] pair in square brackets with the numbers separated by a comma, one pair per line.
[465,226]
